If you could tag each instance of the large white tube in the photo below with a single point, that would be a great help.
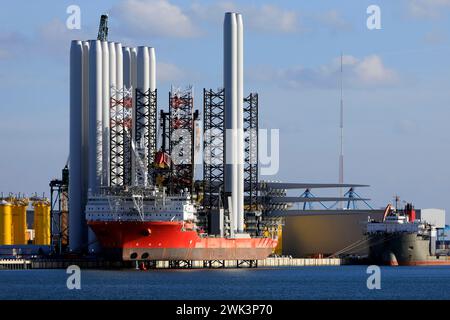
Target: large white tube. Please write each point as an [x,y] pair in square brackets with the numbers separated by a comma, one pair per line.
[240,124]
[112,95]
[119,66]
[133,75]
[85,137]
[139,167]
[112,65]
[85,125]
[98,117]
[105,116]
[152,71]
[76,216]
[126,53]
[152,84]
[95,115]
[133,69]
[230,85]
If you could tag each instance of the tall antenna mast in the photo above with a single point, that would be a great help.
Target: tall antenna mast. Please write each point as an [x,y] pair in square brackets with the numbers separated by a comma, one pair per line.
[341,126]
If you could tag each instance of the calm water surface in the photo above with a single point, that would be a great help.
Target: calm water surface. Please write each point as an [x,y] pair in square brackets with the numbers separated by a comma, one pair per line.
[345,282]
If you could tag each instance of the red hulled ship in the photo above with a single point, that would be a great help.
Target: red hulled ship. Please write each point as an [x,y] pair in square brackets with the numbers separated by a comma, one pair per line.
[150,225]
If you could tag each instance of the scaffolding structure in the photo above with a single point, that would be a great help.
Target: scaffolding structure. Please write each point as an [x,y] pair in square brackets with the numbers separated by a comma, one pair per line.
[162,168]
[127,137]
[164,124]
[120,136]
[181,138]
[59,211]
[213,146]
[145,136]
[213,158]
[252,208]
[214,153]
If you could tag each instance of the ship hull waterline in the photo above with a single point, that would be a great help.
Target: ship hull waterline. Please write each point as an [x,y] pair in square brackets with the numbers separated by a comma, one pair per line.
[403,249]
[162,241]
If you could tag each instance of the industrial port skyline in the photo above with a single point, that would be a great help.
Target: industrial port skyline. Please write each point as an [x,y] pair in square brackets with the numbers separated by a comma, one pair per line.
[395,82]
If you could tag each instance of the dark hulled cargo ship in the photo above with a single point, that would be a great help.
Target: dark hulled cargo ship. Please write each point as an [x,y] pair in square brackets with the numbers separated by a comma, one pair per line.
[401,239]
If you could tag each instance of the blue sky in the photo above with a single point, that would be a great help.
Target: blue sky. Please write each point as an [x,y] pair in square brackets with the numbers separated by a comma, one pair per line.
[396,84]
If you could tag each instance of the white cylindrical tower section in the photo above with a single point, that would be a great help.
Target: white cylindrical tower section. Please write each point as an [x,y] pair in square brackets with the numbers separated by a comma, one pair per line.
[76,216]
[143,69]
[139,167]
[85,125]
[119,66]
[240,123]
[230,86]
[95,115]
[133,74]
[112,94]
[152,57]
[105,116]
[112,65]
[126,53]
[152,84]
[133,69]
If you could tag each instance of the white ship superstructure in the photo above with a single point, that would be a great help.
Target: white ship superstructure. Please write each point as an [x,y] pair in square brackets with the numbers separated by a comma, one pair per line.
[134,206]
[396,223]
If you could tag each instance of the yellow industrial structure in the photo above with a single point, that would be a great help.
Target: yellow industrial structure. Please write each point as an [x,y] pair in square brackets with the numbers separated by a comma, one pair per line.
[279,248]
[13,221]
[42,222]
[5,223]
[275,231]
[19,221]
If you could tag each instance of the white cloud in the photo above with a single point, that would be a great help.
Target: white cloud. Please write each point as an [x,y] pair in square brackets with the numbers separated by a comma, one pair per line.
[271,18]
[265,17]
[212,12]
[154,18]
[427,8]
[371,71]
[12,44]
[168,72]
[54,38]
[56,35]
[334,20]
[54,31]
[367,72]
